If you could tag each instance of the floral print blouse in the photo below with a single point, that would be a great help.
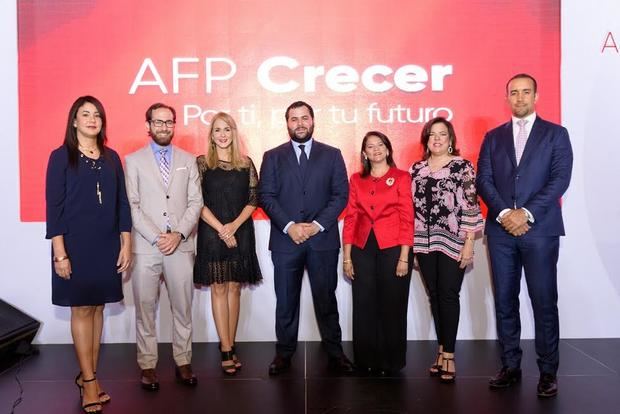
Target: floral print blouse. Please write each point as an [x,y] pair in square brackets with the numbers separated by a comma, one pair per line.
[446,206]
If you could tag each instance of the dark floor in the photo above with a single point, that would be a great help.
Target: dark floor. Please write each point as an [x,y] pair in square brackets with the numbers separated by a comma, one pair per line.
[589,382]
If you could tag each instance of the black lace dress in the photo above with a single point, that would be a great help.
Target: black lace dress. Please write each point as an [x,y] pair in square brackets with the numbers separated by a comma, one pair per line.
[226,192]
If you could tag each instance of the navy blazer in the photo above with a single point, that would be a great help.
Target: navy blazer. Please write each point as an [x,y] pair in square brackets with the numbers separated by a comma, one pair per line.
[537,183]
[287,196]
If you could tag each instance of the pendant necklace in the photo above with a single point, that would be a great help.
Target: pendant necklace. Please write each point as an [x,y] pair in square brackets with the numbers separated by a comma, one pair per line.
[90,150]
[97,168]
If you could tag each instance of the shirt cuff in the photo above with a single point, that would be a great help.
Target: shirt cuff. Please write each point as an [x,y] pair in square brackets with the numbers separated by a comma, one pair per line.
[289,224]
[319,224]
[530,216]
[501,215]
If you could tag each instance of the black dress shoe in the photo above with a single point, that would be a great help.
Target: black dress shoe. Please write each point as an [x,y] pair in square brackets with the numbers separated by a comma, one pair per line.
[149,380]
[505,378]
[185,375]
[279,365]
[341,364]
[547,386]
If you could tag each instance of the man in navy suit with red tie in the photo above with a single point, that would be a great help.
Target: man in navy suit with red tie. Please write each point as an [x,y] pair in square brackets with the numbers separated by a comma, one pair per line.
[523,170]
[303,189]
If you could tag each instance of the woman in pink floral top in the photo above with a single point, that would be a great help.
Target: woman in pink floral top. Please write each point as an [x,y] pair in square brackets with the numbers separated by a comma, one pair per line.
[447,216]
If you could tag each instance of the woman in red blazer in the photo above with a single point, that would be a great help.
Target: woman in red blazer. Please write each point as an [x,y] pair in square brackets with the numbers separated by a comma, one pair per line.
[377,236]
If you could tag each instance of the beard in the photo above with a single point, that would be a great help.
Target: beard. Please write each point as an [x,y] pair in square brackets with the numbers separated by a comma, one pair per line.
[301,135]
[162,138]
[522,111]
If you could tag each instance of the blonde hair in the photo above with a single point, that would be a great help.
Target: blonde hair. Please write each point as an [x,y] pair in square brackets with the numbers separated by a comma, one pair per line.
[237,159]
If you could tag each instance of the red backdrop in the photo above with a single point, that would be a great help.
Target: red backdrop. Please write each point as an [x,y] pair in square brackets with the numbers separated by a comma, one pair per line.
[68,49]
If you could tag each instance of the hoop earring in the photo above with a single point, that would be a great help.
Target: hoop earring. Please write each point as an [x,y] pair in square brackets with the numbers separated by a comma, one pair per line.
[450,149]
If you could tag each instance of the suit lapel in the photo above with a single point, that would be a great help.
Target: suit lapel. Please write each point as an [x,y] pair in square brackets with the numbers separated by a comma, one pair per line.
[291,158]
[313,159]
[508,143]
[174,161]
[533,140]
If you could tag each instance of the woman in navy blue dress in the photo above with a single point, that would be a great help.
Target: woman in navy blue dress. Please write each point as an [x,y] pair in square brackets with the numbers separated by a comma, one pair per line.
[89,223]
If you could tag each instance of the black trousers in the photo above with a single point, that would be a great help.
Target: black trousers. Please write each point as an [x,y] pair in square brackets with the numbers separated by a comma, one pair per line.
[443,279]
[379,307]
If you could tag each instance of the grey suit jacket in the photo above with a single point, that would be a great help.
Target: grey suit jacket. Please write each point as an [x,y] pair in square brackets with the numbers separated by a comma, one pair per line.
[153,205]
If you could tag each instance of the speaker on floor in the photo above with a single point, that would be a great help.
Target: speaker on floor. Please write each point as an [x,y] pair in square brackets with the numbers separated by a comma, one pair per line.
[17,330]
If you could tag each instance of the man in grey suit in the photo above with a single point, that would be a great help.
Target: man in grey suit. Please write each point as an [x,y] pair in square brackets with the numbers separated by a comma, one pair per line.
[163,187]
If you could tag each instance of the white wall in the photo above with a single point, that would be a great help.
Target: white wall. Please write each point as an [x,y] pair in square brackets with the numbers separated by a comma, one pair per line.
[589,279]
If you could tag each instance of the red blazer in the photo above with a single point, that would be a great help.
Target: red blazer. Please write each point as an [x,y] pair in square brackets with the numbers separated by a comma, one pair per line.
[383,205]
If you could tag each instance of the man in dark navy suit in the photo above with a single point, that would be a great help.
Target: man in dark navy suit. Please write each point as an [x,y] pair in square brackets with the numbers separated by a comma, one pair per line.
[303,189]
[523,170]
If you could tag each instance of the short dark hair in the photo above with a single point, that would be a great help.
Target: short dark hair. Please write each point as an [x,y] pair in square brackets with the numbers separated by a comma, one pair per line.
[426,134]
[386,141]
[522,76]
[149,112]
[299,104]
[71,140]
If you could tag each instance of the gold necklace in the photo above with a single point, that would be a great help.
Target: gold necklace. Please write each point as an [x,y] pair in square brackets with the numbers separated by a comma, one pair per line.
[90,150]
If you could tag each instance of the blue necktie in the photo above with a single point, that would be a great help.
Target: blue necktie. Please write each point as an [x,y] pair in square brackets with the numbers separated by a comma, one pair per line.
[303,159]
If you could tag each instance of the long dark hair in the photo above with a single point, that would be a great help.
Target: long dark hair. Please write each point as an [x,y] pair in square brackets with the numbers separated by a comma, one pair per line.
[71,141]
[426,134]
[386,141]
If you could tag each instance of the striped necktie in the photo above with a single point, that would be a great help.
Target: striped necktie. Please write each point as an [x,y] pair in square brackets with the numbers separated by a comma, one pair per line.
[164,167]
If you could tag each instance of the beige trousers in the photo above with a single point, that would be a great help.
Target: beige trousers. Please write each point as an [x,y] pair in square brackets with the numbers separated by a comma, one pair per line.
[177,271]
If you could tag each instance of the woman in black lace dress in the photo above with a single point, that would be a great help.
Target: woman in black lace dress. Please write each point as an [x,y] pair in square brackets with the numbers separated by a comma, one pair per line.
[226,253]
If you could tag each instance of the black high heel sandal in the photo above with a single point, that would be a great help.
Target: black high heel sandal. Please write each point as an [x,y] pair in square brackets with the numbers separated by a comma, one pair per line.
[229,367]
[435,369]
[102,394]
[446,376]
[80,386]
[93,404]
[238,364]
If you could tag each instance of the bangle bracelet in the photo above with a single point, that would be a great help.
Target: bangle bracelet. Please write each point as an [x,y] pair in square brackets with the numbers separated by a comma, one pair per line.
[346,261]
[404,261]
[60,258]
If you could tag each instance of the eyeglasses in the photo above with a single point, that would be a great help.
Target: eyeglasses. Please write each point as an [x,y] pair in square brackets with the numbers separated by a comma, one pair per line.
[159,123]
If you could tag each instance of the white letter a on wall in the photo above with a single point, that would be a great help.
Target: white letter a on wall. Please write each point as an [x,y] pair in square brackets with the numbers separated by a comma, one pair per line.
[139,81]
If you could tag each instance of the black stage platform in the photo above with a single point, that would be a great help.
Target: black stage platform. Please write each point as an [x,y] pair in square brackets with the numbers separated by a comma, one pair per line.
[589,382]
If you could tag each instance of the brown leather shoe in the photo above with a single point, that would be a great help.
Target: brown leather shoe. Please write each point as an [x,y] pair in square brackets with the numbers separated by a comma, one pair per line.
[185,375]
[341,364]
[279,365]
[505,378]
[547,386]
[149,380]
